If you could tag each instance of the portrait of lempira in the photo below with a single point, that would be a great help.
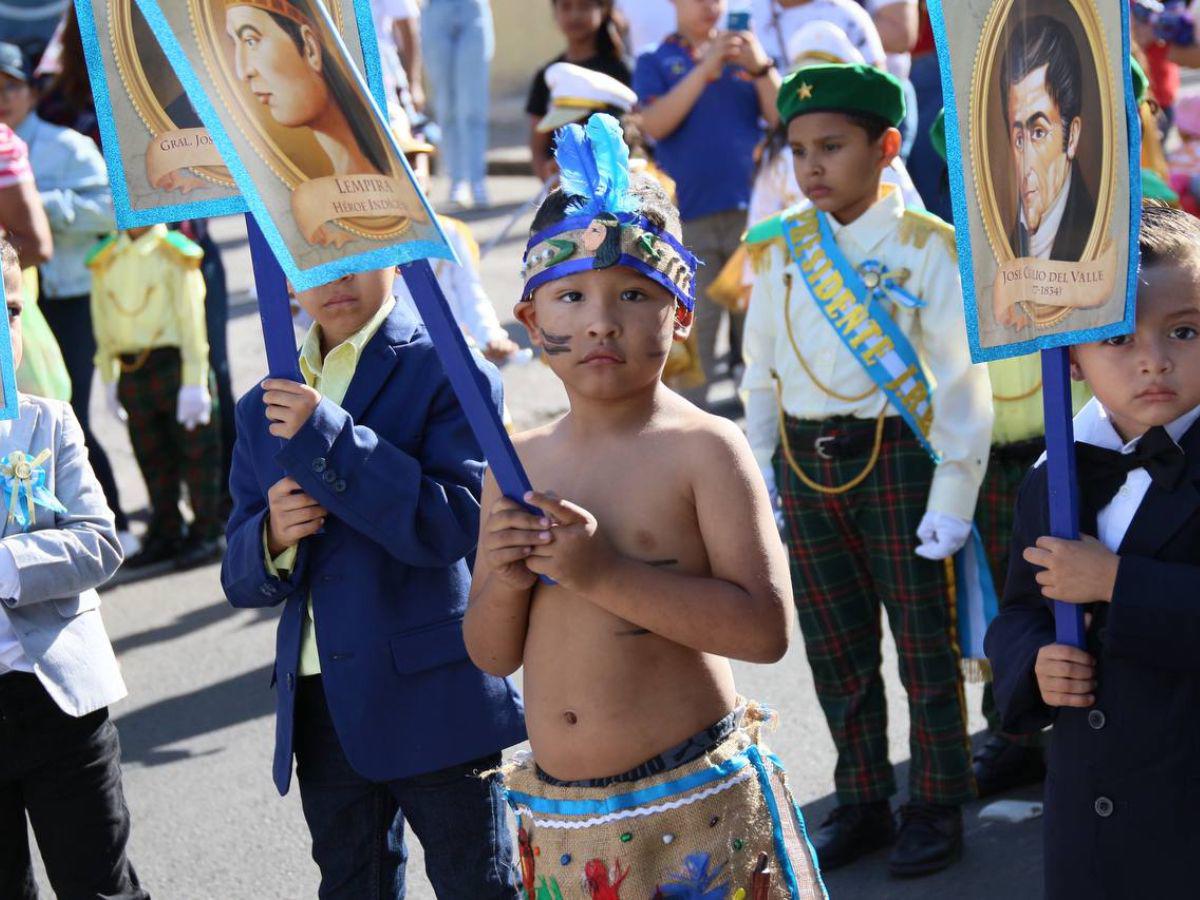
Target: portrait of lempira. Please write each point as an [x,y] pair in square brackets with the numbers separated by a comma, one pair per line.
[297,100]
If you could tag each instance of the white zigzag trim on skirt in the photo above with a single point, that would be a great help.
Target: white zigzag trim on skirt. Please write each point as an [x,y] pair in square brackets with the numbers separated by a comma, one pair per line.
[747,772]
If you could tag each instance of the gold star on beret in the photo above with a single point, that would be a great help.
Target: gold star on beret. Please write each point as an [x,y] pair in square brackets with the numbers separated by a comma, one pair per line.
[842,88]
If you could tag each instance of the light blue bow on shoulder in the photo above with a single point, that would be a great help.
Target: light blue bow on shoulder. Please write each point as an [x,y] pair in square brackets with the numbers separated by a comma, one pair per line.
[883,284]
[24,479]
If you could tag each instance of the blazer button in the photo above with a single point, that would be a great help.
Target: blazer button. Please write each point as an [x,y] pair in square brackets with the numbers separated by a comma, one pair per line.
[292,684]
[1097,719]
[339,486]
[329,477]
[318,465]
[265,590]
[1104,807]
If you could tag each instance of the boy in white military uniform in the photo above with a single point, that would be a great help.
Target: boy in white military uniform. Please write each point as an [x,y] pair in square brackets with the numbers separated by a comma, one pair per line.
[856,315]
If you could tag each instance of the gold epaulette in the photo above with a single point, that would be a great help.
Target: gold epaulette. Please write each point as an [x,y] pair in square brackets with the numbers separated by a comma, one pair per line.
[760,237]
[182,250]
[916,227]
[99,254]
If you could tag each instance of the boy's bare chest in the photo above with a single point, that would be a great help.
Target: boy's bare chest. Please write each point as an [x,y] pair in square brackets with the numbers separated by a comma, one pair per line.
[644,508]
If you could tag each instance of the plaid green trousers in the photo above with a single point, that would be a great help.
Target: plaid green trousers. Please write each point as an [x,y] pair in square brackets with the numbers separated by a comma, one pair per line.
[170,455]
[1007,467]
[852,554]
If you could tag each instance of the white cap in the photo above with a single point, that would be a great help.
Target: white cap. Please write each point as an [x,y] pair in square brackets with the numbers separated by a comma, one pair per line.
[819,43]
[576,93]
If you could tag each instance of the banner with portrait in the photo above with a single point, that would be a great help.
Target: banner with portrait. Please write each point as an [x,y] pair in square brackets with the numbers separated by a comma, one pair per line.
[1043,145]
[163,163]
[307,145]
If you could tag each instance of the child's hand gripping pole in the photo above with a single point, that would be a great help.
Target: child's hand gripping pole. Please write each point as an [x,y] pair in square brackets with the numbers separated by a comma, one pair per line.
[1061,480]
[469,384]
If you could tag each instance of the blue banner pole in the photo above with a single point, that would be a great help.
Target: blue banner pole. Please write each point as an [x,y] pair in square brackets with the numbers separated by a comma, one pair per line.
[1061,477]
[469,385]
[274,308]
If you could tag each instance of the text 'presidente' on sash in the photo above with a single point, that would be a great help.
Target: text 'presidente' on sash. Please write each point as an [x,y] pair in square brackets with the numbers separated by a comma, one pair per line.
[862,323]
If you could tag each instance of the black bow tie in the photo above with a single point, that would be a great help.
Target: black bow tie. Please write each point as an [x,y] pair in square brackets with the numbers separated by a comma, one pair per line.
[1102,472]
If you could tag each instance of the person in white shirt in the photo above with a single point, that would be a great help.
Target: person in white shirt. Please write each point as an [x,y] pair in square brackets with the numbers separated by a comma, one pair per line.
[398,27]
[775,21]
[1123,747]
[898,23]
[647,22]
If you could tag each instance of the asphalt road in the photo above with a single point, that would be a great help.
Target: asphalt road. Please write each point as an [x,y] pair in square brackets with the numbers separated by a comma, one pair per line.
[197,728]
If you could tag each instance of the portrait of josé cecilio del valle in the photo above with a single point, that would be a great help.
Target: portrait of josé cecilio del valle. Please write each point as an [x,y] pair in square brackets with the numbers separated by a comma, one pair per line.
[1043,139]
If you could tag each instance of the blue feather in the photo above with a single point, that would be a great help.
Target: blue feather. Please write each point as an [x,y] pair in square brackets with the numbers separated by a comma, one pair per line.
[577,169]
[594,167]
[612,162]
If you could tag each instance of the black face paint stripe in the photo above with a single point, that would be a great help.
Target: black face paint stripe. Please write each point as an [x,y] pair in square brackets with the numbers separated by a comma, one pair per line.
[554,344]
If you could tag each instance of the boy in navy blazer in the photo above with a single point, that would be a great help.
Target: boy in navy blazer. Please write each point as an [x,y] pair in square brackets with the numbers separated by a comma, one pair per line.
[1124,767]
[356,502]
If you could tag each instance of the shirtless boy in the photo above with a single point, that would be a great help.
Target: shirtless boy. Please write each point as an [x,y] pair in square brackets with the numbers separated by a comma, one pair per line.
[650,773]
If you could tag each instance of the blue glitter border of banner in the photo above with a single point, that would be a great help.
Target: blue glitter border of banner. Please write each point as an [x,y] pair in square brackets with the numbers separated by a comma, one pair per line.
[958,197]
[127,216]
[301,279]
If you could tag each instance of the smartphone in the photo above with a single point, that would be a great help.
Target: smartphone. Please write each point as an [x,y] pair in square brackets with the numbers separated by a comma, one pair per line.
[738,21]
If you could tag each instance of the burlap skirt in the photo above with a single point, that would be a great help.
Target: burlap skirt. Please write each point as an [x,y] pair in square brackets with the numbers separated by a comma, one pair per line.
[724,827]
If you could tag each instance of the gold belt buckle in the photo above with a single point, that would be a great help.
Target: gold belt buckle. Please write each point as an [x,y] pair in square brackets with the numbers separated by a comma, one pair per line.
[822,445]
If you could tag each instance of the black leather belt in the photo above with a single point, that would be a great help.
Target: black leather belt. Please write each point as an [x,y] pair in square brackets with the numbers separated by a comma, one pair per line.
[839,438]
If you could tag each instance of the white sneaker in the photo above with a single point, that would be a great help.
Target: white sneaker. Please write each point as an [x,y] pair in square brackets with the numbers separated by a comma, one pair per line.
[130,543]
[479,193]
[460,195]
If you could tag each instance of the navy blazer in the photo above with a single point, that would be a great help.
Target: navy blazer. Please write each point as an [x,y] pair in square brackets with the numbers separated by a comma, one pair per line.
[400,472]
[1123,788]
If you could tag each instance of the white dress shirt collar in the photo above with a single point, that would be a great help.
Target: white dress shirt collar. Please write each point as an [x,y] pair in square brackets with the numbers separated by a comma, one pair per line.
[879,221]
[1041,242]
[1093,425]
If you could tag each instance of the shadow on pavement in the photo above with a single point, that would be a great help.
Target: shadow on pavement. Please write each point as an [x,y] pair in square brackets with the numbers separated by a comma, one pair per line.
[146,733]
[1000,860]
[195,620]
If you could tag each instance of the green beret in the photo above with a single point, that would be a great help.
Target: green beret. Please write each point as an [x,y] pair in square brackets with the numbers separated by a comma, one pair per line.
[840,88]
[937,134]
[1140,82]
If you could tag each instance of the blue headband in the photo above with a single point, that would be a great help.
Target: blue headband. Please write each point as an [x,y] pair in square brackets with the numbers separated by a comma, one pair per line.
[604,226]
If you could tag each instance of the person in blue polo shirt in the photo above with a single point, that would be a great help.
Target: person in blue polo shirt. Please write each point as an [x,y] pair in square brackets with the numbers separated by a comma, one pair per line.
[707,96]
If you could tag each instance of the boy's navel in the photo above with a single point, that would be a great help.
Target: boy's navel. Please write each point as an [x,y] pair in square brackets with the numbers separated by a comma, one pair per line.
[570,718]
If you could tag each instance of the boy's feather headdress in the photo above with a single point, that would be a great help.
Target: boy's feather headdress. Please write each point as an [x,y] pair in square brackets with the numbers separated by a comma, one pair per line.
[604,225]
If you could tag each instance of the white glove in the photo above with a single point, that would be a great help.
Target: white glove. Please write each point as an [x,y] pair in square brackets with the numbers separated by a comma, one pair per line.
[776,503]
[115,409]
[194,406]
[942,535]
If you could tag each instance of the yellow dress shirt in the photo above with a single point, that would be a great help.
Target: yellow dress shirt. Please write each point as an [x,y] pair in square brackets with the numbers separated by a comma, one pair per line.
[962,396]
[149,293]
[1017,393]
[330,377]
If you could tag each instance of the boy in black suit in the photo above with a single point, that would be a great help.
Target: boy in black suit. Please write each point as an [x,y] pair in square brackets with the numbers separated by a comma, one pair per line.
[1124,780]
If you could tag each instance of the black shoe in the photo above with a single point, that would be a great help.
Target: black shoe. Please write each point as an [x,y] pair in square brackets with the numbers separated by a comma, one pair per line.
[931,838]
[1002,765]
[154,551]
[196,552]
[851,831]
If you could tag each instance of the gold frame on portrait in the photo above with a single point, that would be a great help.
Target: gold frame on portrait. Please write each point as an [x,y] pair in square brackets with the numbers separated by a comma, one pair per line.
[137,85]
[981,162]
[245,114]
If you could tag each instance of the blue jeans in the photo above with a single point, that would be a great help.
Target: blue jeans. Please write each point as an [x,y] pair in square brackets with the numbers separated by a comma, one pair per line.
[458,43]
[357,826]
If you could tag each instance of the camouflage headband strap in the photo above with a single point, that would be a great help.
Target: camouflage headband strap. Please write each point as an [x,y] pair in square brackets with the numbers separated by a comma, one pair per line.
[580,243]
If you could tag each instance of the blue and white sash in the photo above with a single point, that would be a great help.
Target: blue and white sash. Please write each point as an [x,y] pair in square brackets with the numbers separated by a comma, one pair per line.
[884,351]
